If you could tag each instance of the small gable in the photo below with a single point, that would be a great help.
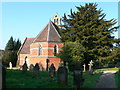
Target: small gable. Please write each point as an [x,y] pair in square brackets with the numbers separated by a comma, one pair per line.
[25,48]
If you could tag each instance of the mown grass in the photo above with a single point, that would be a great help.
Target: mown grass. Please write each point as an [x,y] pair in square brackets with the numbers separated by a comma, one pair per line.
[17,79]
[108,69]
[117,79]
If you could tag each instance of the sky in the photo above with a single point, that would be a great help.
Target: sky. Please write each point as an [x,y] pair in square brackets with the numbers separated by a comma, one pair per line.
[27,19]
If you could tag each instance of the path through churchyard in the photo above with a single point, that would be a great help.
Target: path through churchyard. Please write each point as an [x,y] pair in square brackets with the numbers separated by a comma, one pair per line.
[106,80]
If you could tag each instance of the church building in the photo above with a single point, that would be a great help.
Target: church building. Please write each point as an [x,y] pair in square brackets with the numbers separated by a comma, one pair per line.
[42,47]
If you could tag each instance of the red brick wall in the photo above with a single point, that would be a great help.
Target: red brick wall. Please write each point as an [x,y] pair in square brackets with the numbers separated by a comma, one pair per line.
[47,52]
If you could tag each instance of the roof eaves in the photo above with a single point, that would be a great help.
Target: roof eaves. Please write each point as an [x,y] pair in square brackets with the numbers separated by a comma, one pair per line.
[48,31]
[21,46]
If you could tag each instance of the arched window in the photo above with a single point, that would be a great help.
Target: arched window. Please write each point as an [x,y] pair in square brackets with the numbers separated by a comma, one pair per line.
[54,20]
[39,50]
[55,50]
[57,20]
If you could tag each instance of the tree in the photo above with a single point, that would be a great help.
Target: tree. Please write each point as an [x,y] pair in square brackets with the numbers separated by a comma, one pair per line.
[10,53]
[10,44]
[89,27]
[73,54]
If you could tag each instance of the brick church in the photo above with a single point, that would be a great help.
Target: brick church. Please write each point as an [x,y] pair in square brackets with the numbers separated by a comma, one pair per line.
[42,47]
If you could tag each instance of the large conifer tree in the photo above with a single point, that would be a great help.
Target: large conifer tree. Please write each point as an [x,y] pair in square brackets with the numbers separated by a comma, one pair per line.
[89,28]
[10,53]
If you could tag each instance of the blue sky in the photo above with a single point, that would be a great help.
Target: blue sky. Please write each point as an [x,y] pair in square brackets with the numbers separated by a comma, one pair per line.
[27,19]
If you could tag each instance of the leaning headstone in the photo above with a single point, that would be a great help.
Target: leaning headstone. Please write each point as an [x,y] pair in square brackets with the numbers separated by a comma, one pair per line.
[36,69]
[78,79]
[10,65]
[62,75]
[31,68]
[24,67]
[52,71]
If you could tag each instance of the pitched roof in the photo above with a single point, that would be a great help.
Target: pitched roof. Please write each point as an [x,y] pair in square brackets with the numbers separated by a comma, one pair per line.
[49,33]
[25,48]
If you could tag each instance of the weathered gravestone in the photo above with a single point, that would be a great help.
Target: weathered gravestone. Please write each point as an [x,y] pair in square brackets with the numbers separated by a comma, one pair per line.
[47,61]
[52,71]
[3,76]
[60,64]
[67,66]
[31,67]
[36,69]
[78,79]
[10,65]
[62,75]
[41,67]
[84,68]
[24,67]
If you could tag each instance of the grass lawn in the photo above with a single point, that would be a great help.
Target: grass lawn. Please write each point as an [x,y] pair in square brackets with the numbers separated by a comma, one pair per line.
[17,79]
[117,79]
[108,69]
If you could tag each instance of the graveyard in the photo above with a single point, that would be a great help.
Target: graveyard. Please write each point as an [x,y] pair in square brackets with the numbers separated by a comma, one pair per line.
[78,53]
[17,79]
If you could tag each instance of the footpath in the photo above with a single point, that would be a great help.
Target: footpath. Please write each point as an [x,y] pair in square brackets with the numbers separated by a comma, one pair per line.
[106,80]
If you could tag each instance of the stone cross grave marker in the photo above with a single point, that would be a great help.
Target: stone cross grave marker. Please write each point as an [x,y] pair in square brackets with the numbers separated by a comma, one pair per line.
[10,65]
[36,69]
[24,67]
[84,68]
[78,79]
[90,65]
[52,71]
[62,75]
[31,67]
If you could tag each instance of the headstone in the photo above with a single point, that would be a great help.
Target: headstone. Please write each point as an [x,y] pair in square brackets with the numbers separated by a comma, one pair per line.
[36,69]
[90,65]
[41,67]
[84,68]
[67,66]
[62,75]
[31,67]
[24,67]
[78,79]
[3,76]
[60,64]
[52,71]
[10,65]
[47,61]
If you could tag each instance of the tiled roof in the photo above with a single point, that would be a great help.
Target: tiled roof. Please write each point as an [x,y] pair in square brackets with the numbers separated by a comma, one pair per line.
[49,33]
[25,48]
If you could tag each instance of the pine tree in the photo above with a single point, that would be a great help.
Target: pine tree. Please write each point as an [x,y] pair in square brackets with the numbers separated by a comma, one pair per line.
[10,53]
[89,27]
[10,44]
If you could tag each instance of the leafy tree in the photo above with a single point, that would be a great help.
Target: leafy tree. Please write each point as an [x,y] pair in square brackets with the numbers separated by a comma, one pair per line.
[92,31]
[73,54]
